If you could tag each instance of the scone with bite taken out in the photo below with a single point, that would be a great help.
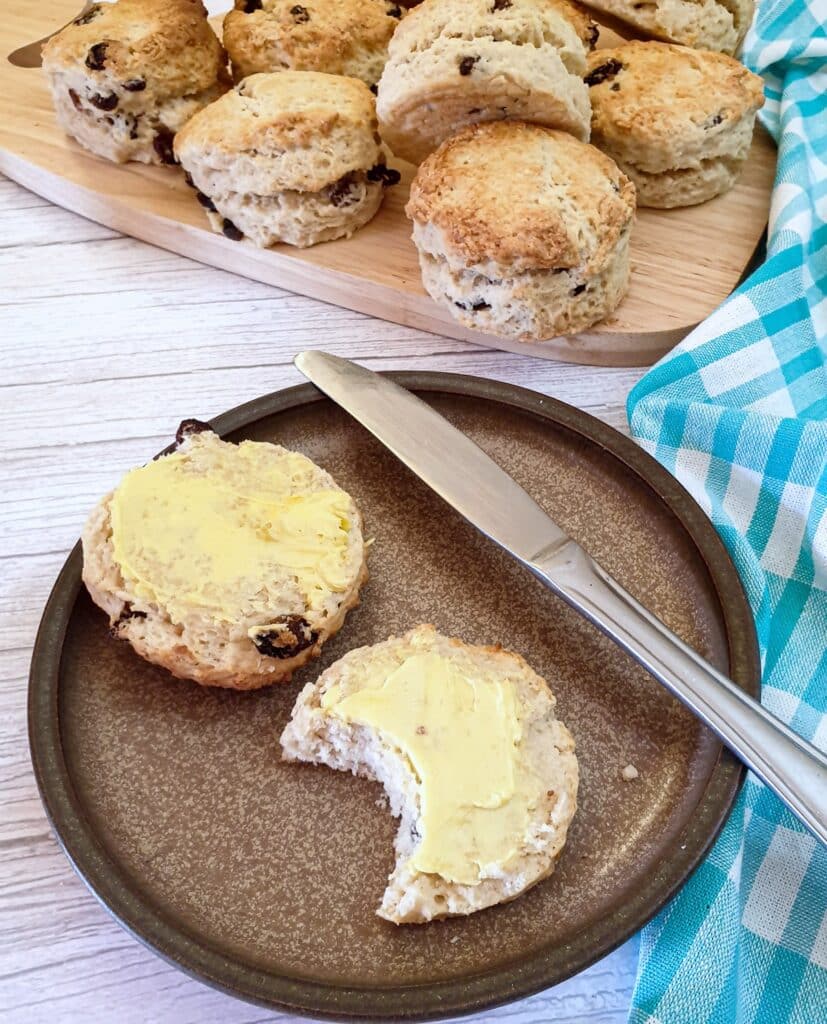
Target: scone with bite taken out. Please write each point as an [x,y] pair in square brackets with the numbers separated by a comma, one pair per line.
[340,37]
[457,62]
[292,156]
[677,121]
[473,759]
[522,231]
[126,76]
[227,564]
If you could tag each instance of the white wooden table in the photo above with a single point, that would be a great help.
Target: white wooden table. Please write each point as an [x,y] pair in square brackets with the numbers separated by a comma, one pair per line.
[105,345]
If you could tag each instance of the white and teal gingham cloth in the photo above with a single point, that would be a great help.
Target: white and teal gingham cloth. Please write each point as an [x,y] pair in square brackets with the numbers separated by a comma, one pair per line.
[738,412]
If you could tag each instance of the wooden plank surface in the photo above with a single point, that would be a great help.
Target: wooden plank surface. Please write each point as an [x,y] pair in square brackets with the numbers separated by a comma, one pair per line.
[685,262]
[106,344]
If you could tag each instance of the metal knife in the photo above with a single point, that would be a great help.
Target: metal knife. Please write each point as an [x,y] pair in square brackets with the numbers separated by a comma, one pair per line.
[463,475]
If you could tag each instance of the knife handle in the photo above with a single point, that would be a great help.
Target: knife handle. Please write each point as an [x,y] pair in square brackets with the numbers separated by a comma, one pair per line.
[794,769]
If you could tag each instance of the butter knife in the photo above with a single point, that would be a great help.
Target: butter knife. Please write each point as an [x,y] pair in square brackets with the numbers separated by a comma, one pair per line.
[463,475]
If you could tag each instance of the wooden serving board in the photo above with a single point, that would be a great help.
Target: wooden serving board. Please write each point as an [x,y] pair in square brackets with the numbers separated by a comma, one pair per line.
[684,262]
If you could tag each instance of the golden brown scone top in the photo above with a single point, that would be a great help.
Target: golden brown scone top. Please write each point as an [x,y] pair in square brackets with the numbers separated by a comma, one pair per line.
[517,20]
[314,34]
[167,45]
[668,95]
[523,196]
[319,126]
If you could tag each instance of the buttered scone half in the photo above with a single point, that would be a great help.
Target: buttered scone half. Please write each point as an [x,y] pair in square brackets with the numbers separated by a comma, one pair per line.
[457,62]
[706,24]
[522,231]
[340,37]
[292,156]
[474,762]
[126,76]
[677,121]
[228,564]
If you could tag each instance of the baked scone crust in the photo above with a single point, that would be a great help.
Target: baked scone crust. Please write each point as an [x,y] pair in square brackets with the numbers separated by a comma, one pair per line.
[299,130]
[518,197]
[457,62]
[411,896]
[705,24]
[678,121]
[344,37]
[126,76]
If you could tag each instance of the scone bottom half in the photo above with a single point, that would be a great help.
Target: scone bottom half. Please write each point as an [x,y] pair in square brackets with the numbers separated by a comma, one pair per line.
[522,231]
[474,762]
[292,157]
[126,76]
[230,565]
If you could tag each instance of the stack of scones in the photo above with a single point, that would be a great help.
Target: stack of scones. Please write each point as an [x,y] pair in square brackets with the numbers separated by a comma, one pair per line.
[533,148]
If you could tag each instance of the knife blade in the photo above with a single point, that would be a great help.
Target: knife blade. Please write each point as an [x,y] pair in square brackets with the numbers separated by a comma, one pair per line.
[460,472]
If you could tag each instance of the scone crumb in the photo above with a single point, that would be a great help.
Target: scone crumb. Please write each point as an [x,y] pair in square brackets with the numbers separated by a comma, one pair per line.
[629,773]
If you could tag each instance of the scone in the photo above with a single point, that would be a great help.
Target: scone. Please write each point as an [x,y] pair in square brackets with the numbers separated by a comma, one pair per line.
[340,37]
[522,231]
[458,62]
[705,24]
[678,121]
[126,76]
[465,741]
[292,156]
[227,564]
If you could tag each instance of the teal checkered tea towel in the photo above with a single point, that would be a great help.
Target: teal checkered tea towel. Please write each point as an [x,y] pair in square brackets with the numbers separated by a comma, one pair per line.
[738,412]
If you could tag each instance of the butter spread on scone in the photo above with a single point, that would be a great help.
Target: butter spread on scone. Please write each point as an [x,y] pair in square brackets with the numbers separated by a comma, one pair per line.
[292,156]
[678,121]
[473,759]
[126,76]
[227,564]
[458,62]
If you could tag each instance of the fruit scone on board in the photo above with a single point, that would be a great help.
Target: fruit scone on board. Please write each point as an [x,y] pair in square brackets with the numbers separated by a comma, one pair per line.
[228,564]
[339,37]
[473,760]
[457,62]
[290,156]
[677,121]
[126,76]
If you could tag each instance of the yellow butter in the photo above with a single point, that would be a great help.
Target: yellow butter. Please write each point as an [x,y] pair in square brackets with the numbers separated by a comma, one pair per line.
[182,536]
[461,736]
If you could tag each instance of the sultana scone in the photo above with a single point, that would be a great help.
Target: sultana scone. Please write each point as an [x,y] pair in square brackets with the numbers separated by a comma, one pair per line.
[126,76]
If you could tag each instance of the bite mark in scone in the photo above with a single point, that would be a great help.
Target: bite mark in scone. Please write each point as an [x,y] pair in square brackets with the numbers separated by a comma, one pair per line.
[227,564]
[126,76]
[473,760]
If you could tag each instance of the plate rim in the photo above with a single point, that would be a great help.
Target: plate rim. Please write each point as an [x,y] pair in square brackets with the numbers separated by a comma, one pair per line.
[158,930]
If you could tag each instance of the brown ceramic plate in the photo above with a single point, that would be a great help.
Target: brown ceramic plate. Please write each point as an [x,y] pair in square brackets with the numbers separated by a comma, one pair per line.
[262,878]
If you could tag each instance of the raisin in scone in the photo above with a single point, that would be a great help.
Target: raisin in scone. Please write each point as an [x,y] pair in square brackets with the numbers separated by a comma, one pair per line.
[705,24]
[292,156]
[340,37]
[126,76]
[678,121]
[522,231]
[475,764]
[458,62]
[227,564]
